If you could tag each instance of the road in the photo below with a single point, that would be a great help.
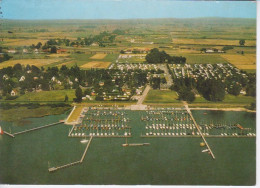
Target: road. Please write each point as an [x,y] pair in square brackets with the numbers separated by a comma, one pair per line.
[168,75]
[141,99]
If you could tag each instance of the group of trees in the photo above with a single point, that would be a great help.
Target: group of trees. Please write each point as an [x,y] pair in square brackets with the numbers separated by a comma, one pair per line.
[4,56]
[101,39]
[251,86]
[155,56]
[184,89]
[214,89]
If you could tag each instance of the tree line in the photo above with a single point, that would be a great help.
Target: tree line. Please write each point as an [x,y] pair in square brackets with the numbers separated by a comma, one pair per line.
[155,57]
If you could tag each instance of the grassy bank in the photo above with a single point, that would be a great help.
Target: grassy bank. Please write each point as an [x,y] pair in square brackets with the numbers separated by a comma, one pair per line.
[230,101]
[24,112]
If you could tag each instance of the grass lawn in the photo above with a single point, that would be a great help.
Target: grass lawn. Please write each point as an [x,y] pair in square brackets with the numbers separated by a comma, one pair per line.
[111,58]
[229,101]
[250,70]
[161,96]
[55,95]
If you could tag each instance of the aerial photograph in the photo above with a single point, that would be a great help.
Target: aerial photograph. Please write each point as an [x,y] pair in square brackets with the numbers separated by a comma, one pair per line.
[128,92]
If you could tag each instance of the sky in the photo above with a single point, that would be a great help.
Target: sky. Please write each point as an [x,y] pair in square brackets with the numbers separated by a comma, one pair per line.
[124,9]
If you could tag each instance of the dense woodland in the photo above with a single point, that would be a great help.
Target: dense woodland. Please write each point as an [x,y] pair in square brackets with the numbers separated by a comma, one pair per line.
[155,56]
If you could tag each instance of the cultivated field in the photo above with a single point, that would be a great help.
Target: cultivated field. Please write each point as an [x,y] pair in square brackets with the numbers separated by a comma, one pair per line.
[203,58]
[96,64]
[58,55]
[36,62]
[247,61]
[212,42]
[98,56]
[23,42]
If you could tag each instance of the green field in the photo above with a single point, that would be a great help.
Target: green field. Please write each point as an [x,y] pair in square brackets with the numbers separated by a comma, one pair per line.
[229,101]
[203,58]
[42,96]
[159,96]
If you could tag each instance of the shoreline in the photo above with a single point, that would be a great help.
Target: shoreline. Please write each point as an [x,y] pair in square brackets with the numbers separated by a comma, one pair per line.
[225,109]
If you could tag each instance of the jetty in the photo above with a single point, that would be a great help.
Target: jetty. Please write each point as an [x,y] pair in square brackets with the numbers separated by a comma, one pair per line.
[33,129]
[195,123]
[52,169]
[37,128]
[9,134]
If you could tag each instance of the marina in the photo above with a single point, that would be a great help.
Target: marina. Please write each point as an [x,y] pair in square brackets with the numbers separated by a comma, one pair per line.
[158,146]
[180,123]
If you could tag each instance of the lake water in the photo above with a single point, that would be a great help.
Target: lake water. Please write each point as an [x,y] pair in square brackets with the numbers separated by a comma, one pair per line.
[166,161]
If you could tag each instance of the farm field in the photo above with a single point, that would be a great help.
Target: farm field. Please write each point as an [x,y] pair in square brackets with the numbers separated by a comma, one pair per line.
[203,58]
[96,64]
[246,61]
[54,95]
[221,42]
[58,55]
[36,62]
[98,56]
[22,42]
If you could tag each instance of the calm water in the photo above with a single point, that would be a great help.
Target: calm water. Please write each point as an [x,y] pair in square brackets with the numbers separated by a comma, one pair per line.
[173,161]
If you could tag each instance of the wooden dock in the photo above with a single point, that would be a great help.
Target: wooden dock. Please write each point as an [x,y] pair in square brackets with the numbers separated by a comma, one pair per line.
[195,123]
[37,128]
[71,130]
[52,169]
[33,129]
[84,154]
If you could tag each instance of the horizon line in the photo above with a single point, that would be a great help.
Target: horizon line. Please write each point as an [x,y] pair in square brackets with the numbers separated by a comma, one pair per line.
[17,19]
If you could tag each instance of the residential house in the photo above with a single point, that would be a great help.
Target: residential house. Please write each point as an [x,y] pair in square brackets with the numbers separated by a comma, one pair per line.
[22,79]
[14,92]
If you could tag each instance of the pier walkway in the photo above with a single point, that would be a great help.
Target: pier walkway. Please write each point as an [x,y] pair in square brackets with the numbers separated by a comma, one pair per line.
[37,128]
[195,123]
[52,169]
[33,129]
[9,134]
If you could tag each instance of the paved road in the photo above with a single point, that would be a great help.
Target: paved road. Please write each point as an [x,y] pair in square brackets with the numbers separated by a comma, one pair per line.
[141,99]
